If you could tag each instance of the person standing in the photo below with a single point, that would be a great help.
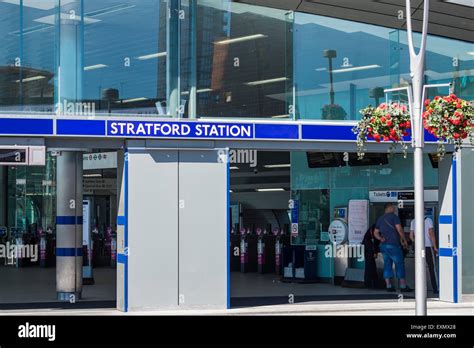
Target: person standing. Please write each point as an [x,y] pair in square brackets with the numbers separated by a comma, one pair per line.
[371,249]
[431,251]
[388,230]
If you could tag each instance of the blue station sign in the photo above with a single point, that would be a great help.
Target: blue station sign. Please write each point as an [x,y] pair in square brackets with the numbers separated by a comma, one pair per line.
[182,129]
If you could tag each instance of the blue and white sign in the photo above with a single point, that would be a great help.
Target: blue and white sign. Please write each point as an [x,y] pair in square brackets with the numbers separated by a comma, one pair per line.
[180,129]
[101,127]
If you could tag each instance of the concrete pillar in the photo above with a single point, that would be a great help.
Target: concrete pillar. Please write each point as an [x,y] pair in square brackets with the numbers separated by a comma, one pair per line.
[69,226]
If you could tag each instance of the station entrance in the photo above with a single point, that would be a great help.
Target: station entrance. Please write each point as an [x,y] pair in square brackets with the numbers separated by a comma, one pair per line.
[28,235]
[164,228]
[298,222]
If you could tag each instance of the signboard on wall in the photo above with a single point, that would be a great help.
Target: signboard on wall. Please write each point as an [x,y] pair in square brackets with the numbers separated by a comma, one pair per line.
[22,155]
[100,160]
[94,184]
[358,220]
[405,195]
[294,205]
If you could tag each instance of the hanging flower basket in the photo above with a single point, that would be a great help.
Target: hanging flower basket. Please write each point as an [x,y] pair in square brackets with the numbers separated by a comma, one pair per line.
[449,119]
[385,123]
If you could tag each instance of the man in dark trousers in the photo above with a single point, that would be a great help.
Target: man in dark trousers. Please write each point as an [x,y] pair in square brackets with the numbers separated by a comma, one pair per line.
[371,249]
[388,230]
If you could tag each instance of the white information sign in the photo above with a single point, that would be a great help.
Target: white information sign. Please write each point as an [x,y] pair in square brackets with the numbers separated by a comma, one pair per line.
[358,220]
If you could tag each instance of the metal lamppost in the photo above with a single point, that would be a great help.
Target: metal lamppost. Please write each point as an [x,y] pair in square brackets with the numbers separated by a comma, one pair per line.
[330,54]
[417,75]
[415,94]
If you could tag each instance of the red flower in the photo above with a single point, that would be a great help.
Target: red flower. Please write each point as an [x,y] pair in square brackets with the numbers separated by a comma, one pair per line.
[385,138]
[389,123]
[427,102]
[456,135]
[458,105]
[383,119]
[377,137]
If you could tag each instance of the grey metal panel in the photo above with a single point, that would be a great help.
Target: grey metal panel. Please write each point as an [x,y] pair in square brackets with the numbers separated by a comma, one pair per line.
[152,229]
[203,190]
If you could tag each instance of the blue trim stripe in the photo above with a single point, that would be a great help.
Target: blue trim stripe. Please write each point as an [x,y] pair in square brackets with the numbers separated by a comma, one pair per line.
[69,220]
[121,221]
[329,132]
[80,127]
[445,252]
[122,258]
[445,219]
[26,126]
[69,252]
[126,230]
[455,231]
[276,131]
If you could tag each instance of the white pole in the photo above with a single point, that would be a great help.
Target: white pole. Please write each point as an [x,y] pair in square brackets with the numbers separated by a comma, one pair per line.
[417,75]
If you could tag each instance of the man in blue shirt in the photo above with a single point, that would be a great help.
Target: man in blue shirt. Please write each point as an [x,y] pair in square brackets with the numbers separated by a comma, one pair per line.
[388,230]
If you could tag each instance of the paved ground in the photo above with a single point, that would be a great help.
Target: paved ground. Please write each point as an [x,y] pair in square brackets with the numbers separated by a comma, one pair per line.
[382,307]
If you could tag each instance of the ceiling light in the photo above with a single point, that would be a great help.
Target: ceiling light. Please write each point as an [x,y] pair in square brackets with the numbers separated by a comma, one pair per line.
[109,10]
[283,165]
[153,55]
[94,67]
[355,68]
[204,90]
[470,53]
[134,100]
[29,79]
[269,189]
[263,82]
[281,116]
[240,39]
[51,19]
[233,168]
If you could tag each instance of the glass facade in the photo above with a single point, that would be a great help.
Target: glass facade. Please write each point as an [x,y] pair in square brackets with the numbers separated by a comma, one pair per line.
[206,59]
[348,65]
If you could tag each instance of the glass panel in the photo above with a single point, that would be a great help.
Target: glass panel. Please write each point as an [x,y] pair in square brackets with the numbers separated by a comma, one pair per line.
[243,61]
[336,72]
[348,64]
[31,196]
[27,57]
[450,61]
[125,56]
[352,182]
